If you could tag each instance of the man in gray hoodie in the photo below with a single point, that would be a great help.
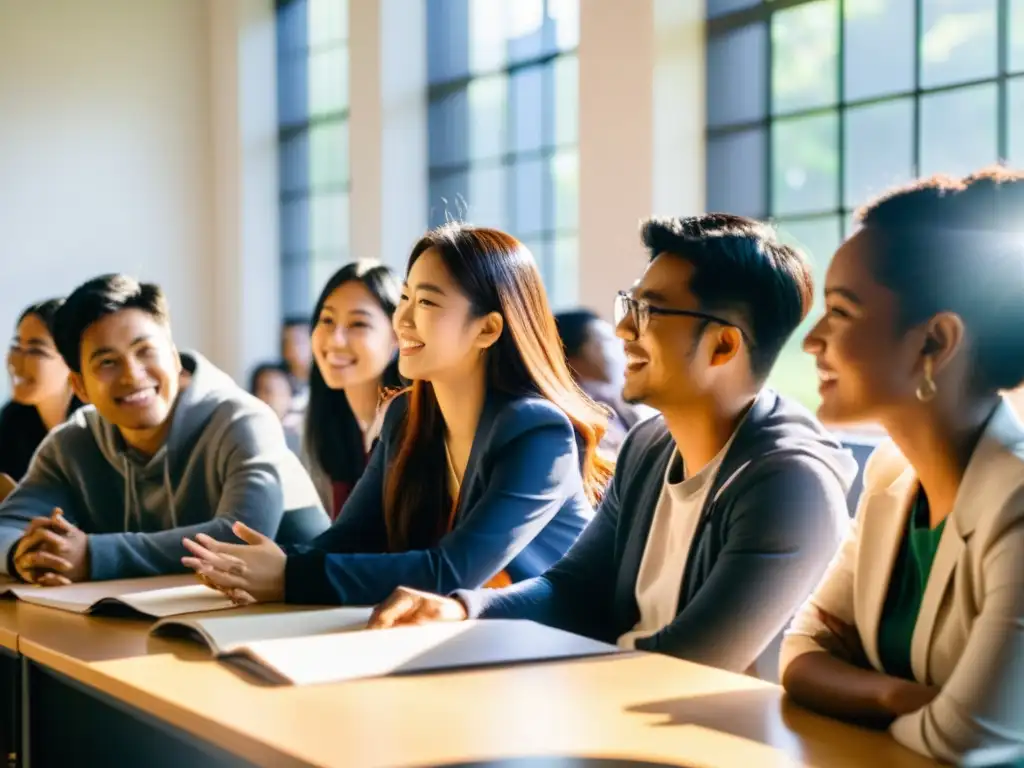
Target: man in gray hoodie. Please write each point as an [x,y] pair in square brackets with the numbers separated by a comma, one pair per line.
[169,448]
[725,509]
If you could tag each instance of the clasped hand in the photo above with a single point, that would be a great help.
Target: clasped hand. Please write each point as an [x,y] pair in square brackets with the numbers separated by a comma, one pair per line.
[52,552]
[252,572]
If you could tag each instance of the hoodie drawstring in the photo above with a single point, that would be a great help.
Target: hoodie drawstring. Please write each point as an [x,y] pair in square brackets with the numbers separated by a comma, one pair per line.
[169,490]
[131,499]
[131,494]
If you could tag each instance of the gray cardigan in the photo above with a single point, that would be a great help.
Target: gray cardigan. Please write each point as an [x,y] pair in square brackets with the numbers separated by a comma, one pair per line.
[773,519]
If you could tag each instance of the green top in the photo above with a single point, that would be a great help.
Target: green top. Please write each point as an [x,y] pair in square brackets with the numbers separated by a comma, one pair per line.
[906,590]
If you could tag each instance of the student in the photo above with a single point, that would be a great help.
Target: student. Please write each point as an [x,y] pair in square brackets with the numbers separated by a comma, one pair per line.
[298,357]
[724,511]
[41,396]
[271,383]
[153,459]
[919,622]
[486,469]
[355,351]
[595,358]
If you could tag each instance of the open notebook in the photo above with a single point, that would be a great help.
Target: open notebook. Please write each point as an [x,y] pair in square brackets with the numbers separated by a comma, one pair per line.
[158,597]
[333,645]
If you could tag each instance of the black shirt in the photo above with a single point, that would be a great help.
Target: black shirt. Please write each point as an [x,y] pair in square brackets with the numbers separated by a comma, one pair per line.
[21,432]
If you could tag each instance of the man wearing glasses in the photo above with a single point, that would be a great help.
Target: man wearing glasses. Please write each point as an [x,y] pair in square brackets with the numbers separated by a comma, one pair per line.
[724,510]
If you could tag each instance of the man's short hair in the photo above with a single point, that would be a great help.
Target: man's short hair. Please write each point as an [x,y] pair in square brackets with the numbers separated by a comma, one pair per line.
[740,266]
[98,298]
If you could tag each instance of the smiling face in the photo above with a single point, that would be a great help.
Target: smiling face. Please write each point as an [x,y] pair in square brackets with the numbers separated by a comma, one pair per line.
[352,341]
[866,366]
[438,337]
[38,373]
[130,372]
[670,364]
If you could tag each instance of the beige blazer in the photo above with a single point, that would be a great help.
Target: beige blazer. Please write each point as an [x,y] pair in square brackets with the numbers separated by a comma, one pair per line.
[969,636]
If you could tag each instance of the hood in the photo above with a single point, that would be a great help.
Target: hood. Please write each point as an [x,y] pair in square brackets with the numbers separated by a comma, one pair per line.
[776,426]
[207,390]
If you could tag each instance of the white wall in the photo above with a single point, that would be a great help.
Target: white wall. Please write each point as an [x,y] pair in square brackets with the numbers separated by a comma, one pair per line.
[104,151]
[139,136]
[246,265]
[388,128]
[641,132]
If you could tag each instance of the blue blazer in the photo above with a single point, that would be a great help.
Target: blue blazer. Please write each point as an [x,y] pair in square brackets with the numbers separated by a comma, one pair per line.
[521,507]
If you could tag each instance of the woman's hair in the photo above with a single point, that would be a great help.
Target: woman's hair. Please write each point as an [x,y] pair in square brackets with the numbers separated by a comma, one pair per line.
[259,370]
[332,438]
[45,311]
[497,274]
[957,245]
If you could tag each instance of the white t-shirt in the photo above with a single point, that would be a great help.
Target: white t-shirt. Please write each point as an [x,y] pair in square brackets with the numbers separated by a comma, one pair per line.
[660,578]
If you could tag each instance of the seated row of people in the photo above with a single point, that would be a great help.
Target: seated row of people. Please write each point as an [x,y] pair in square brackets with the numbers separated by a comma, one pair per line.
[918,623]
[708,565]
[723,512]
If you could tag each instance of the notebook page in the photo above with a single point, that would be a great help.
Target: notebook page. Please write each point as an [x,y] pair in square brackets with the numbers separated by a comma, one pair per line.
[80,598]
[441,645]
[174,601]
[226,633]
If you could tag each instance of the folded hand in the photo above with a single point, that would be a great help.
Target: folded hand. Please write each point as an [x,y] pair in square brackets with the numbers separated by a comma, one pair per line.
[52,552]
[844,641]
[246,573]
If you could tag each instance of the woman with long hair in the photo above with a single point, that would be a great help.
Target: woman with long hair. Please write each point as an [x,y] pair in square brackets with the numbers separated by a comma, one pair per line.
[41,396]
[487,468]
[918,624]
[354,363]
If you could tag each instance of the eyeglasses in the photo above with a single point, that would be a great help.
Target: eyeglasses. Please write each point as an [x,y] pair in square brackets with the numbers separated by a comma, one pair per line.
[640,311]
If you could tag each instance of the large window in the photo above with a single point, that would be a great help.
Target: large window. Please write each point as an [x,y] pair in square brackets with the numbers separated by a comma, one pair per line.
[312,97]
[502,124]
[816,106]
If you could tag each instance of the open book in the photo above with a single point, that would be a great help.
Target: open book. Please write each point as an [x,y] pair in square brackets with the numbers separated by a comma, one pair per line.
[226,634]
[333,645]
[158,596]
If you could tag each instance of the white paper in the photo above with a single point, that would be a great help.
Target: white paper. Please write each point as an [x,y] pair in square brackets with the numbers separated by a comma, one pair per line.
[226,633]
[173,601]
[439,645]
[156,596]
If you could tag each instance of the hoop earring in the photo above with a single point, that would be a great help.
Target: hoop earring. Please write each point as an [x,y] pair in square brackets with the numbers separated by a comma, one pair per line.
[927,389]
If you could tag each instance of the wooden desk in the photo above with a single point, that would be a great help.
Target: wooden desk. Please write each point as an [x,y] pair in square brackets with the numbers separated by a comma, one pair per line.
[9,624]
[642,707]
[60,650]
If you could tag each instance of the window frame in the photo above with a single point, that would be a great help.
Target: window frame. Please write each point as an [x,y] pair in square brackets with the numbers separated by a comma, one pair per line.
[300,265]
[549,235]
[842,213]
[763,12]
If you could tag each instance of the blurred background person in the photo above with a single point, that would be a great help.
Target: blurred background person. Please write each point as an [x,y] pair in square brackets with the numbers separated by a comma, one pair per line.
[597,362]
[295,351]
[41,396]
[272,384]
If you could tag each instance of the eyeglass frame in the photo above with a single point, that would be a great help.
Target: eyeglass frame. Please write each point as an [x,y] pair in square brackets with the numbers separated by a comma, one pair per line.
[637,308]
